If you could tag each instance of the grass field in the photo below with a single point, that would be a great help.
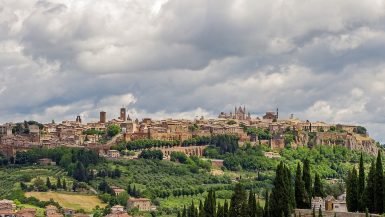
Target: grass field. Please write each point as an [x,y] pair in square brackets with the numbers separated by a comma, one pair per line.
[71,201]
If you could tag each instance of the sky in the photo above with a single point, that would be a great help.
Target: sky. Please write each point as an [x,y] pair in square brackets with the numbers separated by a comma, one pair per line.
[321,60]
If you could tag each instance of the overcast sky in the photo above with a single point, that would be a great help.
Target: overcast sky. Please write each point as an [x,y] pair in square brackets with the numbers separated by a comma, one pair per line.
[318,59]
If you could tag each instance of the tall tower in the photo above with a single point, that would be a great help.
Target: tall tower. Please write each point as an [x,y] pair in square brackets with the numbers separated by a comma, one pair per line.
[78,119]
[277,114]
[123,114]
[103,117]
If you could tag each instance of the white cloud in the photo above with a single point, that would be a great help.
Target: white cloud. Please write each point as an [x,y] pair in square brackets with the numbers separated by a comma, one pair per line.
[321,60]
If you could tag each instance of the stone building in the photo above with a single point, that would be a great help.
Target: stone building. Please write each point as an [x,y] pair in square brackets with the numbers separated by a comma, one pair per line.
[143,204]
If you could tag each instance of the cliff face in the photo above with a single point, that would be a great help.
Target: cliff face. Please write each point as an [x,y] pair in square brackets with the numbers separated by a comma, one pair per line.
[351,141]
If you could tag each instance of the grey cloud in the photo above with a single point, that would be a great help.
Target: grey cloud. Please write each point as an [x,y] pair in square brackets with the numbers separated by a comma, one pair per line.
[321,60]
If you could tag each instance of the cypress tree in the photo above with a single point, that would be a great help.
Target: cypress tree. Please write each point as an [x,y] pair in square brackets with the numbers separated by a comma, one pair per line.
[306,176]
[201,209]
[192,211]
[237,201]
[64,184]
[379,186]
[259,210]
[369,190]
[318,188]
[266,210]
[226,209]
[282,197]
[252,205]
[319,212]
[210,204]
[300,195]
[184,213]
[48,183]
[366,212]
[351,191]
[58,183]
[361,185]
[220,211]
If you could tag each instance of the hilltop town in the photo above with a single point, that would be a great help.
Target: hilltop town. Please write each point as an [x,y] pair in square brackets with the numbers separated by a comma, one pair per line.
[270,130]
[122,167]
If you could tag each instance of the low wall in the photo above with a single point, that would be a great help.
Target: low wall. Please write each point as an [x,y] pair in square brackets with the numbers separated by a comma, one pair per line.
[309,213]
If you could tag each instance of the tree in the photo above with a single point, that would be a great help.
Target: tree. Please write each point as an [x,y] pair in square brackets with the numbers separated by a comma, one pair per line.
[361,185]
[226,209]
[178,157]
[210,204]
[64,184]
[252,205]
[319,212]
[80,172]
[184,213]
[282,198]
[306,176]
[220,211]
[370,189]
[318,188]
[300,194]
[58,183]
[48,183]
[113,130]
[379,185]
[351,191]
[237,201]
[151,154]
[39,184]
[266,210]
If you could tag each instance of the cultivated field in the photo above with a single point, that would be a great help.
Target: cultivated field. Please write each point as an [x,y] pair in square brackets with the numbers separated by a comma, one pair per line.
[67,200]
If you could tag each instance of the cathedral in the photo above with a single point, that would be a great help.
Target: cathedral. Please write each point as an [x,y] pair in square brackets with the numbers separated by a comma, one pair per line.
[239,114]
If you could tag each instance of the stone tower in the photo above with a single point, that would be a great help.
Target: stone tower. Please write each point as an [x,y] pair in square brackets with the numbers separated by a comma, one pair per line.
[103,117]
[123,114]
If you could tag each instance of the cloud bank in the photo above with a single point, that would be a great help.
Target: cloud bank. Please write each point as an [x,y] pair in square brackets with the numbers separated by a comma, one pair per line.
[320,60]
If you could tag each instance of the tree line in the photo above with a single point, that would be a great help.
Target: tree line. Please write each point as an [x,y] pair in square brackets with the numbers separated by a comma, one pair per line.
[366,192]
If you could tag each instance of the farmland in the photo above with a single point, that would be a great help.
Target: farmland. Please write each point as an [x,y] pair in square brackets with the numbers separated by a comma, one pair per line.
[69,200]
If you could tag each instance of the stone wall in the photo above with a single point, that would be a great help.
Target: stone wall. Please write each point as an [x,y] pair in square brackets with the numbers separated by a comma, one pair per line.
[309,213]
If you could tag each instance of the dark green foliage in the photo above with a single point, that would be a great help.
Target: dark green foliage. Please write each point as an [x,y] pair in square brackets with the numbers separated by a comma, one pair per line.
[360,130]
[178,157]
[282,198]
[379,185]
[370,189]
[48,183]
[151,154]
[58,183]
[351,191]
[318,188]
[319,212]
[210,204]
[113,130]
[237,201]
[251,205]
[226,212]
[306,176]
[64,184]
[220,211]
[361,186]
[266,210]
[300,192]
[80,172]
[184,213]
